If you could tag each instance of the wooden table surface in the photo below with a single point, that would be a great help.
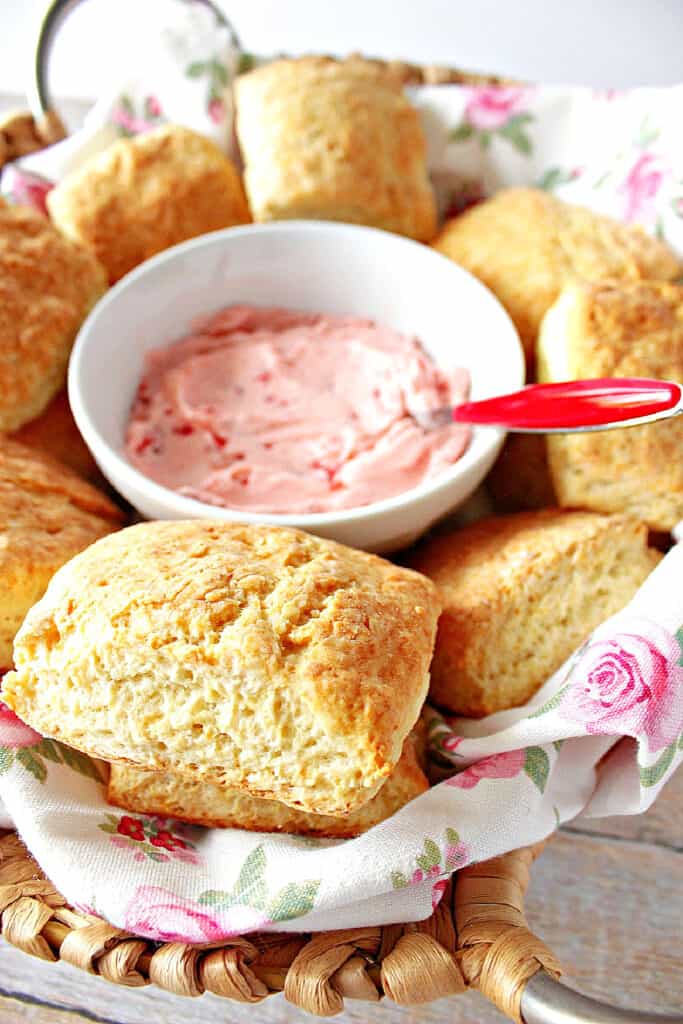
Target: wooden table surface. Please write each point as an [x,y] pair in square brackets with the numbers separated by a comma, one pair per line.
[606,896]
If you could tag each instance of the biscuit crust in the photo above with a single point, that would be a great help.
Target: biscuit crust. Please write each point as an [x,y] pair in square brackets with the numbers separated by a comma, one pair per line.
[142,195]
[520,593]
[55,433]
[604,330]
[205,803]
[47,286]
[257,657]
[47,515]
[525,245]
[334,141]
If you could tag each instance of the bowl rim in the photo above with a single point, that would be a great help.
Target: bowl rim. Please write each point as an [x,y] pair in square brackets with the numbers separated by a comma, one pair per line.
[107,455]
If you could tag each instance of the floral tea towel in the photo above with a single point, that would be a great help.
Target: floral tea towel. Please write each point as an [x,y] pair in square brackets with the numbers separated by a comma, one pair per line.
[601,737]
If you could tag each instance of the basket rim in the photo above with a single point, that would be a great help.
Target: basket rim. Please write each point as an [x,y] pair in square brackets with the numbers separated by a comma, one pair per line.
[477,937]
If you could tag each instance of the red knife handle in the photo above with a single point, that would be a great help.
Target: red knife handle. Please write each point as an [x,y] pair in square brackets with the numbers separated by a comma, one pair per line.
[574,403]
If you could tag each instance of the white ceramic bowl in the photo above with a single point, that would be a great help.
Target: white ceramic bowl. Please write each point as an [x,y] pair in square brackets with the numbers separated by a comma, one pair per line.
[314,266]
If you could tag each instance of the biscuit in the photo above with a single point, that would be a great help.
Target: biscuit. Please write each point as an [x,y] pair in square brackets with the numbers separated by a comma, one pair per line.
[520,593]
[55,433]
[47,515]
[334,140]
[633,330]
[520,477]
[254,656]
[47,286]
[525,244]
[144,194]
[214,806]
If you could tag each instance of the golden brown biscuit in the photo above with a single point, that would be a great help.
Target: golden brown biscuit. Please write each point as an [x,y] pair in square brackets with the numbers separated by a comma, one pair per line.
[257,657]
[520,593]
[142,195]
[333,141]
[633,330]
[47,286]
[55,433]
[520,478]
[525,244]
[47,515]
[205,803]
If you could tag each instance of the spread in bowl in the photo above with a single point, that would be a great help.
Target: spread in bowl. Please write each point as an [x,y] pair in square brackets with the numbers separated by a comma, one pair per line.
[276,411]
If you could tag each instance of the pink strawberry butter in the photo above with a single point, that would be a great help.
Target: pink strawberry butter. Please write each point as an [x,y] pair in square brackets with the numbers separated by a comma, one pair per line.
[270,410]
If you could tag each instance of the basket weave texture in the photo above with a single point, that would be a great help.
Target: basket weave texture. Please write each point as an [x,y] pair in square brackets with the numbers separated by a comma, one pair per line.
[21,134]
[477,937]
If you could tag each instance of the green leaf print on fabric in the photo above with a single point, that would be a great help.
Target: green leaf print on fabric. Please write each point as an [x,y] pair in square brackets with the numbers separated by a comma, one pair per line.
[553,177]
[75,760]
[250,887]
[435,860]
[246,62]
[430,857]
[514,132]
[294,900]
[217,79]
[33,759]
[251,890]
[50,750]
[651,775]
[461,133]
[6,759]
[537,766]
[552,704]
[679,638]
[196,69]
[34,765]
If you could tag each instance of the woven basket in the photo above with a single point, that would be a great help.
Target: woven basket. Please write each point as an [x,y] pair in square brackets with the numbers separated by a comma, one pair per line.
[477,937]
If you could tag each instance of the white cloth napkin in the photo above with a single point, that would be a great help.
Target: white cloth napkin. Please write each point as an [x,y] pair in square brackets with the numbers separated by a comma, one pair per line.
[601,737]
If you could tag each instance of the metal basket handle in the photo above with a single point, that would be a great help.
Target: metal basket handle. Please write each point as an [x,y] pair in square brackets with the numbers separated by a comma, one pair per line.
[56,13]
[548,1001]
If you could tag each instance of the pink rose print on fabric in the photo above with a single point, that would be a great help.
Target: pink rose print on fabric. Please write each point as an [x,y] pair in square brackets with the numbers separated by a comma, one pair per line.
[498,766]
[496,111]
[156,913]
[158,839]
[491,107]
[216,111]
[641,187]
[632,684]
[436,861]
[153,107]
[24,188]
[437,892]
[130,121]
[15,734]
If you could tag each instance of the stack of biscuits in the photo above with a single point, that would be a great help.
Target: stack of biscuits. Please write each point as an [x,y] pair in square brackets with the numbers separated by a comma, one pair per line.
[235,674]
[256,677]
[590,298]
